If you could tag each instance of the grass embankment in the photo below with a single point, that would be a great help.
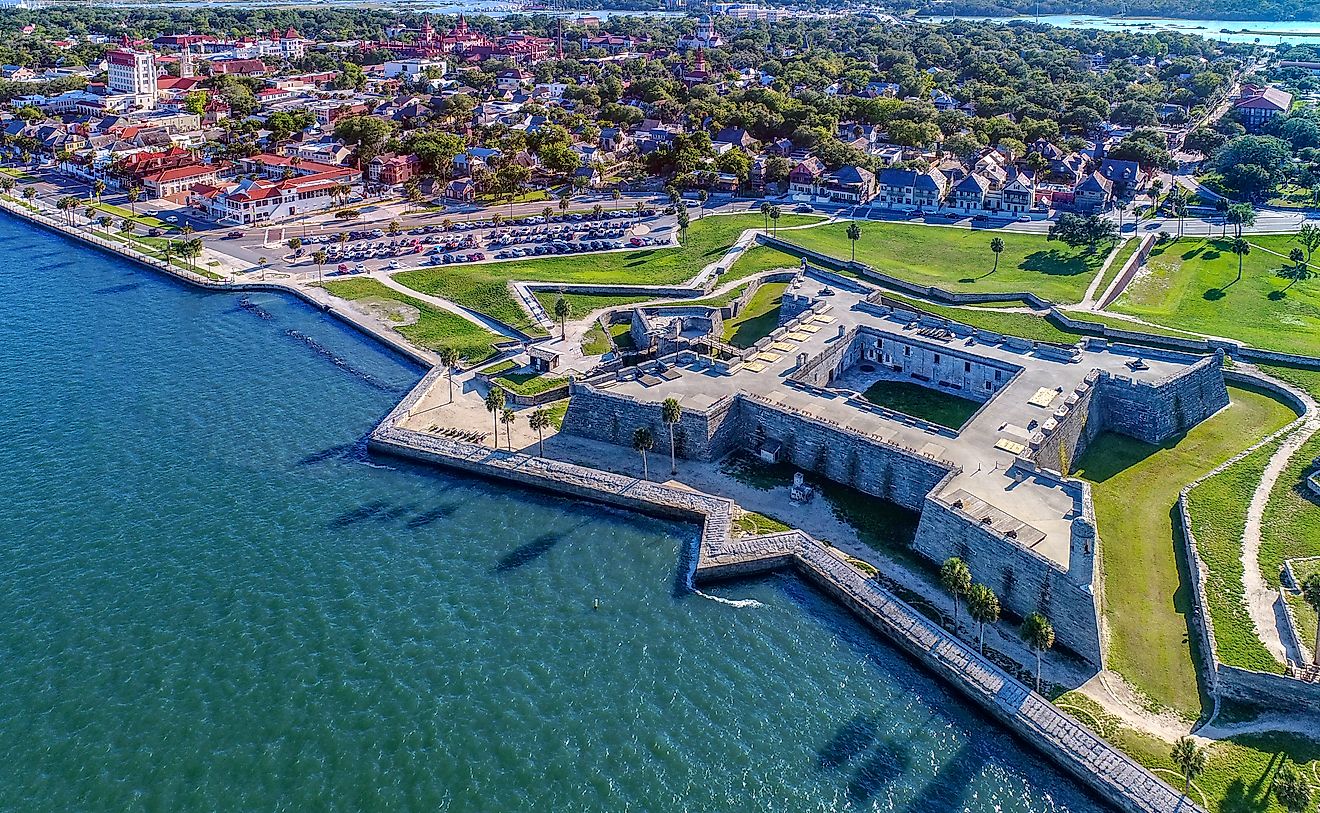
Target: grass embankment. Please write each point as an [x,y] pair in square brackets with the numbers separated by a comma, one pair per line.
[760,258]
[1218,509]
[434,328]
[581,305]
[922,402]
[958,259]
[522,381]
[484,287]
[1239,772]
[596,342]
[1122,254]
[1191,284]
[1135,487]
[119,212]
[758,318]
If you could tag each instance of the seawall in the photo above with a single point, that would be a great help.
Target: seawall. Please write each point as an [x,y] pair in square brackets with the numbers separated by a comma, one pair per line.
[1075,748]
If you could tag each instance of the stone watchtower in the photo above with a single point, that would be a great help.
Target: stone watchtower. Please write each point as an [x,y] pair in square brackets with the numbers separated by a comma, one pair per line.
[1081,553]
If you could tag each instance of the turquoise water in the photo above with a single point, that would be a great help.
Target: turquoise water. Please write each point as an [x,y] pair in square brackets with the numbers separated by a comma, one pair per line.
[212,599]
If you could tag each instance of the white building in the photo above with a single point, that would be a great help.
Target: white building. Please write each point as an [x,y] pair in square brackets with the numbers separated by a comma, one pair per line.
[132,73]
[410,69]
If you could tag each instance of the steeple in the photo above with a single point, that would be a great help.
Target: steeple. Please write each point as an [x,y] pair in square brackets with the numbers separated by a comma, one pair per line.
[185,62]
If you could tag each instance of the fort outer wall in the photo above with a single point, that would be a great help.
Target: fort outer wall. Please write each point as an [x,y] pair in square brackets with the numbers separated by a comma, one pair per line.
[1025,580]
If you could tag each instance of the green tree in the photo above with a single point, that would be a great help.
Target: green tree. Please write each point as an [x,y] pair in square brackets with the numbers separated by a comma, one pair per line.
[1309,236]
[1242,216]
[1296,272]
[449,359]
[671,413]
[104,222]
[494,405]
[957,579]
[683,222]
[1291,789]
[1241,248]
[775,214]
[319,257]
[854,234]
[1311,592]
[1190,759]
[134,194]
[765,217]
[983,607]
[539,421]
[294,243]
[997,246]
[98,187]
[643,442]
[507,417]
[702,197]
[562,311]
[1038,632]
[29,193]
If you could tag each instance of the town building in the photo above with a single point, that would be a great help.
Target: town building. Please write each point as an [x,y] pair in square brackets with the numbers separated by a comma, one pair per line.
[1256,105]
[132,73]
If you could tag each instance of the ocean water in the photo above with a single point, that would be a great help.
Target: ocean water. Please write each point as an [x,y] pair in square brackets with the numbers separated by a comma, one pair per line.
[211,598]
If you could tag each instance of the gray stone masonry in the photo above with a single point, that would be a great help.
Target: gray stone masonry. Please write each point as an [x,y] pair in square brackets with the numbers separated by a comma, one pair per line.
[1071,745]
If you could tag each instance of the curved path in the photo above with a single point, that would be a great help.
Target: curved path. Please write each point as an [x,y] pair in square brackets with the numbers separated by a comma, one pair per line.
[1262,600]
[493,325]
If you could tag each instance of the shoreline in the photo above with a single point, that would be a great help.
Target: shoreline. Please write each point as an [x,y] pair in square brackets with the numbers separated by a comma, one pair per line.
[1077,750]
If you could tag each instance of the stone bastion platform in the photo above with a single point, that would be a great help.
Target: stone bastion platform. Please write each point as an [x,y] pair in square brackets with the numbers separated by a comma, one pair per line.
[994,491]
[719,555]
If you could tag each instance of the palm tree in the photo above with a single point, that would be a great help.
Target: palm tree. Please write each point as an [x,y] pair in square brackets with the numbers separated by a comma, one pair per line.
[671,413]
[547,213]
[643,442]
[447,224]
[187,231]
[1190,759]
[539,421]
[854,234]
[562,311]
[957,579]
[6,184]
[507,417]
[765,218]
[104,222]
[1241,248]
[702,197]
[997,246]
[615,194]
[1296,272]
[983,607]
[168,251]
[774,218]
[394,228]
[126,226]
[134,194]
[639,207]
[1242,216]
[683,222]
[66,205]
[98,186]
[597,211]
[1038,632]
[495,403]
[563,201]
[1291,789]
[319,257]
[1311,592]
[1221,206]
[449,359]
[294,243]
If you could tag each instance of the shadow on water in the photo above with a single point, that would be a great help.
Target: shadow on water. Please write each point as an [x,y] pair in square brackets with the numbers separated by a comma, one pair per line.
[374,511]
[851,740]
[355,452]
[524,555]
[430,517]
[947,790]
[119,289]
[884,765]
[342,363]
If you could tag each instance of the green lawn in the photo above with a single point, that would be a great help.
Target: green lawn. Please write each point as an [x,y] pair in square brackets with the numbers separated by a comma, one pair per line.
[584,304]
[528,196]
[522,381]
[484,287]
[434,328]
[1291,526]
[122,212]
[1190,284]
[1218,509]
[595,342]
[622,336]
[757,259]
[759,318]
[1023,325]
[1239,772]
[1135,486]
[922,402]
[960,259]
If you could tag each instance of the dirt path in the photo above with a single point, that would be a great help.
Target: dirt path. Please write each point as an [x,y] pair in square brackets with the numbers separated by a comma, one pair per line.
[1260,597]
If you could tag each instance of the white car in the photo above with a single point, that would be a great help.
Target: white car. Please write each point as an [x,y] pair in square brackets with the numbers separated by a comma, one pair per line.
[394,265]
[172,218]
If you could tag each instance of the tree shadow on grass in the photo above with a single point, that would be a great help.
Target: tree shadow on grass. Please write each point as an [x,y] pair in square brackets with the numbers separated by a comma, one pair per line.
[1276,296]
[1057,263]
[1215,294]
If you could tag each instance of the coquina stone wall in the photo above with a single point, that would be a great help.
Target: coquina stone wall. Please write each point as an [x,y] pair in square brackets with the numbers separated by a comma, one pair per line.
[1064,436]
[1155,412]
[1025,581]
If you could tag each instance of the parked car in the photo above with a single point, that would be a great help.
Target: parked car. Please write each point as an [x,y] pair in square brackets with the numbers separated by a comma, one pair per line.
[235,234]
[803,208]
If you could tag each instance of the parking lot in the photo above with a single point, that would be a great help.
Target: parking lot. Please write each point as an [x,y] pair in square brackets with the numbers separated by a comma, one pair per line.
[356,251]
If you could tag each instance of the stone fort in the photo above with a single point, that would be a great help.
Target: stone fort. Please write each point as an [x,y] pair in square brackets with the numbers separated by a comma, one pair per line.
[994,491]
